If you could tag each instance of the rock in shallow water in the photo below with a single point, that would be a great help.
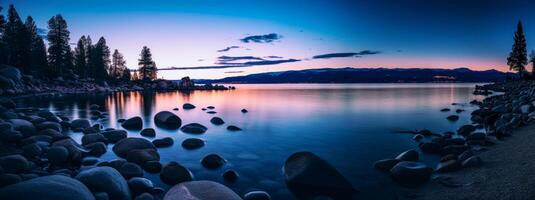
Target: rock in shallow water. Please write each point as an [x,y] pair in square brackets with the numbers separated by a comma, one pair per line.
[217,121]
[201,190]
[140,185]
[410,155]
[141,156]
[256,195]
[386,164]
[114,136]
[212,161]
[230,175]
[307,175]
[105,179]
[188,106]
[54,187]
[14,164]
[448,166]
[166,119]
[192,143]
[57,155]
[164,142]
[134,123]
[122,147]
[148,132]
[408,172]
[233,128]
[129,170]
[194,128]
[80,124]
[174,173]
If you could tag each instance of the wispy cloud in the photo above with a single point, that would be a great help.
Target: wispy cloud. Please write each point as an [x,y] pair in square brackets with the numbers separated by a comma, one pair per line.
[236,64]
[233,72]
[224,59]
[349,54]
[228,49]
[268,38]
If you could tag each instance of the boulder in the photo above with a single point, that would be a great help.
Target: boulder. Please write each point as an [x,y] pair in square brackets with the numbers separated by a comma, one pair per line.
[200,190]
[217,121]
[8,179]
[31,150]
[453,117]
[174,173]
[308,175]
[256,195]
[54,187]
[57,155]
[141,156]
[166,119]
[22,125]
[148,132]
[466,129]
[92,138]
[152,166]
[230,175]
[122,147]
[140,185]
[105,179]
[97,148]
[134,123]
[164,142]
[76,151]
[410,155]
[188,106]
[49,125]
[192,143]
[386,164]
[233,128]
[14,164]
[114,136]
[129,170]
[411,172]
[194,128]
[212,161]
[80,124]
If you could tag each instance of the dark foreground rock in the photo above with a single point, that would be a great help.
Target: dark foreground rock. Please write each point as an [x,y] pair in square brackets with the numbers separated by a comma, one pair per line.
[307,176]
[105,179]
[212,161]
[134,123]
[128,144]
[201,190]
[174,173]
[166,119]
[408,172]
[54,187]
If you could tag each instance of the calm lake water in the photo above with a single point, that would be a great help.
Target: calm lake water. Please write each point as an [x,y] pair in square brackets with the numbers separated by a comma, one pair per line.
[349,125]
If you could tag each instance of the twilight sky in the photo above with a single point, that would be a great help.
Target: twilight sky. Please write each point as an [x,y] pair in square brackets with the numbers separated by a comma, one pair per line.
[239,37]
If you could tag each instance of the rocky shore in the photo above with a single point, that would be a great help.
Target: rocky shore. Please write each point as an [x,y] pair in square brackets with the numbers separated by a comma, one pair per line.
[469,168]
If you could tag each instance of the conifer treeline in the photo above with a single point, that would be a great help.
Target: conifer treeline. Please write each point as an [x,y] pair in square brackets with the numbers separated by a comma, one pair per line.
[22,46]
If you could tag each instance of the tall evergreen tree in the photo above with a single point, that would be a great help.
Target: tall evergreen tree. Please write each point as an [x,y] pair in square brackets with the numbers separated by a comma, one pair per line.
[118,65]
[59,51]
[37,58]
[89,53]
[147,67]
[100,60]
[80,58]
[3,47]
[17,40]
[518,57]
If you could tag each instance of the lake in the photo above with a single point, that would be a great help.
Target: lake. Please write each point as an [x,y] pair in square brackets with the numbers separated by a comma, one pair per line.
[349,125]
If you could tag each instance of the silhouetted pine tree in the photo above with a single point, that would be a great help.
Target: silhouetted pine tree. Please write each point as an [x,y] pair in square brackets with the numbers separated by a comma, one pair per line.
[59,51]
[118,65]
[80,58]
[100,60]
[17,40]
[518,57]
[37,62]
[147,67]
[3,48]
[532,61]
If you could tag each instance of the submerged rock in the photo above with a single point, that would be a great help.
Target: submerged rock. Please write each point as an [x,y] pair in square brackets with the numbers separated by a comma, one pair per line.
[134,123]
[212,161]
[233,128]
[148,132]
[217,121]
[386,164]
[166,119]
[230,175]
[194,128]
[54,187]
[192,143]
[453,117]
[188,106]
[200,190]
[174,173]
[411,172]
[307,175]
[410,155]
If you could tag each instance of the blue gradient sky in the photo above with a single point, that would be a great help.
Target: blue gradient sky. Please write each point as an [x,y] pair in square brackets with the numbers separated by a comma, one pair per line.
[189,33]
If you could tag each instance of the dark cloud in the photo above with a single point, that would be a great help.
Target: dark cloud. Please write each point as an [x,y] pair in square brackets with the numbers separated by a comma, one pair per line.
[343,55]
[222,65]
[228,48]
[225,59]
[233,72]
[268,38]
[273,57]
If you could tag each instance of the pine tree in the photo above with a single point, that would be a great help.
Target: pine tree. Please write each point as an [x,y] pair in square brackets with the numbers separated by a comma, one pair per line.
[37,58]
[100,60]
[59,51]
[3,47]
[518,57]
[118,66]
[147,67]
[80,58]
[17,40]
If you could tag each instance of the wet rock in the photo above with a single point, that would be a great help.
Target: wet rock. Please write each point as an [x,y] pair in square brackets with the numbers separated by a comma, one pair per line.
[128,144]
[466,129]
[134,123]
[105,179]
[121,120]
[192,143]
[448,157]
[141,156]
[444,110]
[97,148]
[58,155]
[114,136]
[448,166]
[54,187]
[211,112]
[256,195]
[145,196]
[92,138]
[212,161]
[188,106]
[244,110]
[233,128]
[14,164]
[411,172]
[308,175]
[174,173]
[49,125]
[168,120]
[200,190]
[164,142]
[230,175]
[80,124]
[211,107]
[194,128]
[454,149]
[89,161]
[8,179]
[22,125]
[473,161]
[32,150]
[418,137]
[148,132]
[459,110]
[129,170]
[152,166]
[453,117]
[465,155]
[140,185]
[454,141]
[175,109]
[76,151]
[410,155]
[386,164]
[217,121]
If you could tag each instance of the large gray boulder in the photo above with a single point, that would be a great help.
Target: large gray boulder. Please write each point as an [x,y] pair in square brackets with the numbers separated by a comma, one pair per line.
[105,179]
[54,187]
[200,190]
[122,147]
[168,120]
[307,175]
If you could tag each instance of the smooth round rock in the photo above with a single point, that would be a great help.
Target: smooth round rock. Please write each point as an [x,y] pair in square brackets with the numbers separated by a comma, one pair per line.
[145,196]
[194,128]
[386,164]
[474,161]
[164,142]
[166,119]
[80,124]
[140,185]
[8,179]
[188,106]
[233,128]
[453,117]
[114,136]
[410,155]
[97,148]
[126,145]
[152,166]
[57,155]
[92,138]
[54,187]
[217,121]
[200,190]
[411,172]
[129,170]
[14,164]
[256,195]
[230,175]
[192,143]
[148,132]
[244,110]
[448,166]
[174,173]
[213,161]
[134,123]
[105,179]
[141,156]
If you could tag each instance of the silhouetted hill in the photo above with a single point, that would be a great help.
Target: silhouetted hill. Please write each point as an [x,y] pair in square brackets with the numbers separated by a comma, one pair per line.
[368,75]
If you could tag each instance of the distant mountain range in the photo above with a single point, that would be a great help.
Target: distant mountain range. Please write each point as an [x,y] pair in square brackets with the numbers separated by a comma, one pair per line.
[368,75]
